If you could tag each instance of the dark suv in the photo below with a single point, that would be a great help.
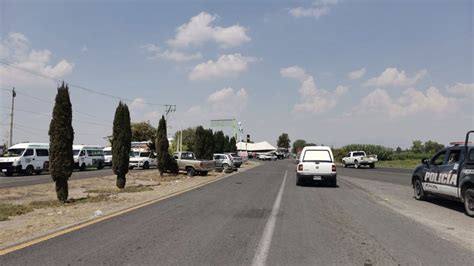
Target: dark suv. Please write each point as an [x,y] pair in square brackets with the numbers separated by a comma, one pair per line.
[450,174]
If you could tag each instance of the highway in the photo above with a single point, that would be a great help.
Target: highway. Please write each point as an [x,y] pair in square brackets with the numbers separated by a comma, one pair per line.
[260,217]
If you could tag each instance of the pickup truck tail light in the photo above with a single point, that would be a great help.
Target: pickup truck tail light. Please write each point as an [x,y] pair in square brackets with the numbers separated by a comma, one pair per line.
[334,168]
[300,167]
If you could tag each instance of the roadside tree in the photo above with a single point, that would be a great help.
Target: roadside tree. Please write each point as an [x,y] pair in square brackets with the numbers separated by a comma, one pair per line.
[61,138]
[121,143]
[162,146]
[283,141]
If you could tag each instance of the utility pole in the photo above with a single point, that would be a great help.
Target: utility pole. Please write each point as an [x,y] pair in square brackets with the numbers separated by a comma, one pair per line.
[169,108]
[11,117]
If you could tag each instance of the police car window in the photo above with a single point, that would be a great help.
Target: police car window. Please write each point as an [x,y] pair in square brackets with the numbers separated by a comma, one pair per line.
[471,155]
[28,152]
[454,156]
[439,158]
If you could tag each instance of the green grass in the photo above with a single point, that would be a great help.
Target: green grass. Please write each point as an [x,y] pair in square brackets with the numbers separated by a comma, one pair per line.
[408,163]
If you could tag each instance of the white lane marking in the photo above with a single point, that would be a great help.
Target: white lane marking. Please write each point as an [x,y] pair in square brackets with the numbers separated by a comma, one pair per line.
[264,245]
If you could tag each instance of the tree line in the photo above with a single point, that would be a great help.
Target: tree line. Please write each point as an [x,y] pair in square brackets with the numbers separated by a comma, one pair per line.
[61,139]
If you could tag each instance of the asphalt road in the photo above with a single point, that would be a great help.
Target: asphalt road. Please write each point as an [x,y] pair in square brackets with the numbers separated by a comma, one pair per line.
[255,217]
[21,180]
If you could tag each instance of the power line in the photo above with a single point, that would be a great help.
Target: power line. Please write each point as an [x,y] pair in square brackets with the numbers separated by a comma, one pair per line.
[50,102]
[10,64]
[41,114]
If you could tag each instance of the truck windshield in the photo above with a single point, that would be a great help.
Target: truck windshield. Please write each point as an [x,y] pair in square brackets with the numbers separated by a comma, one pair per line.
[317,156]
[14,152]
[134,154]
[75,152]
[107,153]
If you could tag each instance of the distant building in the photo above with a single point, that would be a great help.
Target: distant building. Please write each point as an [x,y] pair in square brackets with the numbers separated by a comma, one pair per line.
[263,146]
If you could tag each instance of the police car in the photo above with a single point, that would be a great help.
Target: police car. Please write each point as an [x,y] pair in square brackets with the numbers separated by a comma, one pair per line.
[450,174]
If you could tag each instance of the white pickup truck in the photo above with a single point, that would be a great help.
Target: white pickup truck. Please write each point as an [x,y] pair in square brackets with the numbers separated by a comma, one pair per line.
[358,159]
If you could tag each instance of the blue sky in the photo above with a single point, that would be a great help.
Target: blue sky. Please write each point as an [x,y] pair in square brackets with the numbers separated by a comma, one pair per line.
[276,66]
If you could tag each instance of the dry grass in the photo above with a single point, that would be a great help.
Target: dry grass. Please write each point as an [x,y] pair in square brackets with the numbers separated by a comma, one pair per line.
[130,189]
[7,210]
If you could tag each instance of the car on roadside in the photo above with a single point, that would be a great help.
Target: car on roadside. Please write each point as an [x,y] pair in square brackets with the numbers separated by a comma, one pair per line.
[224,161]
[358,159]
[268,157]
[316,164]
[238,160]
[188,163]
[108,156]
[25,158]
[449,174]
[143,159]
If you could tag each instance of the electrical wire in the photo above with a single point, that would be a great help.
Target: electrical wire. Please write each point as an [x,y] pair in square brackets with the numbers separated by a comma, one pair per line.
[13,65]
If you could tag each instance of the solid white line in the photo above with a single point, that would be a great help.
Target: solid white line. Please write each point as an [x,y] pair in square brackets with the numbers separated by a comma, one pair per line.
[264,245]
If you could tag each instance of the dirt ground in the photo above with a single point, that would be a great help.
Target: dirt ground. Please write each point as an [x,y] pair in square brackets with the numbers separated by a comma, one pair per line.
[106,199]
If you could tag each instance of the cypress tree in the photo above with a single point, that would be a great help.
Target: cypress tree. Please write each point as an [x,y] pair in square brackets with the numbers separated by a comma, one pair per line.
[227,144]
[219,142]
[61,138]
[199,147]
[232,145]
[121,143]
[162,146]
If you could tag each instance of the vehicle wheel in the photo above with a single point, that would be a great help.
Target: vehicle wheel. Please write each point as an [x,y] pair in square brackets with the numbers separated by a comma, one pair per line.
[29,170]
[146,165]
[225,166]
[372,165]
[356,164]
[469,202]
[8,173]
[38,172]
[418,190]
[100,166]
[333,183]
[203,173]
[130,167]
[190,172]
[344,164]
[83,167]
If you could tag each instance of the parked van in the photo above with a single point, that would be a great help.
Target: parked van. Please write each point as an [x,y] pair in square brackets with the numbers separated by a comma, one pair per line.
[25,158]
[316,164]
[108,156]
[86,156]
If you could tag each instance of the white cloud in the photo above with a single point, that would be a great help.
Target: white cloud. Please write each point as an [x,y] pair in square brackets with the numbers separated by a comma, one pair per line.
[356,74]
[316,10]
[313,99]
[16,48]
[200,30]
[226,66]
[394,77]
[411,101]
[294,72]
[228,100]
[84,49]
[138,104]
[156,53]
[462,89]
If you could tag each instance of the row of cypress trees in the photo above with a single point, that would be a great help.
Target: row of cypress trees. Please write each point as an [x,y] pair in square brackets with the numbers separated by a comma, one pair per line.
[61,139]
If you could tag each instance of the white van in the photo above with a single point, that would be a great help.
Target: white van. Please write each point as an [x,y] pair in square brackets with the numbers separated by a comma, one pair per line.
[143,158]
[108,156]
[26,158]
[316,164]
[86,156]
